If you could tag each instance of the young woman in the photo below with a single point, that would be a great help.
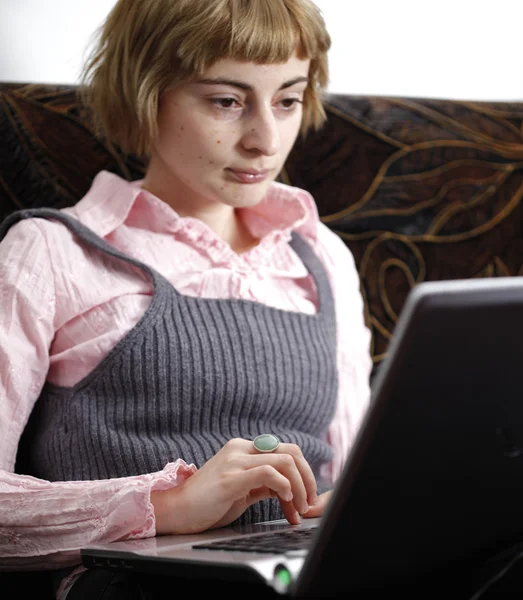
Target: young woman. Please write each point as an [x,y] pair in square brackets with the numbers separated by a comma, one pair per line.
[151,332]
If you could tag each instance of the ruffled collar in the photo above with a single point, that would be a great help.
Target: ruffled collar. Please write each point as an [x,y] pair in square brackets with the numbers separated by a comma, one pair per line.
[113,201]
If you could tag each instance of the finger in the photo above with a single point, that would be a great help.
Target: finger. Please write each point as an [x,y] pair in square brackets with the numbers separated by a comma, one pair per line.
[248,481]
[286,465]
[307,477]
[304,468]
[288,508]
[265,493]
[290,512]
[319,508]
[261,493]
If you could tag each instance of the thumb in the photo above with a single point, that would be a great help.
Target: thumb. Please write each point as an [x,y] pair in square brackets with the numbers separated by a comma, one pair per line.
[321,504]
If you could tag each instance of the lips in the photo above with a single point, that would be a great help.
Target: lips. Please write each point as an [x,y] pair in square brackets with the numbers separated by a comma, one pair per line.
[248,175]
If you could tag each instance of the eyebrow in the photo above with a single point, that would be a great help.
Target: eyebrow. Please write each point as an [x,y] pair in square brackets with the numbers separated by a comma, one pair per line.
[245,86]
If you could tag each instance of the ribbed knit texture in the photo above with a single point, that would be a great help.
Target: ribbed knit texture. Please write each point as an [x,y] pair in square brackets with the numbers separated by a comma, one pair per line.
[192,374]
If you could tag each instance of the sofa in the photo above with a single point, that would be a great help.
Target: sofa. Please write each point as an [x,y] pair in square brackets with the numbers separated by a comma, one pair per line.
[418,189]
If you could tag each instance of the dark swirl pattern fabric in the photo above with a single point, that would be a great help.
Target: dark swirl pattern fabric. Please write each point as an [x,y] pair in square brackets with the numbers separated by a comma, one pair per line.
[418,189]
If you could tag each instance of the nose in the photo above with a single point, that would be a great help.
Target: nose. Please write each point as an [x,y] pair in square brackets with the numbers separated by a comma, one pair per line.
[261,133]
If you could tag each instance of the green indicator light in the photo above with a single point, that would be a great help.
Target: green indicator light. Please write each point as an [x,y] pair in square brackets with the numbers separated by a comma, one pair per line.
[284,576]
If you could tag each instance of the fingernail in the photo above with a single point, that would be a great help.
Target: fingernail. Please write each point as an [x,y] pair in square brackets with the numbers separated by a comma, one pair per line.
[305,508]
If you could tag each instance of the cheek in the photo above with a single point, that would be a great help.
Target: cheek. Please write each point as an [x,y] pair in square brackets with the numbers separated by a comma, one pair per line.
[197,144]
[213,146]
[290,133]
[178,143]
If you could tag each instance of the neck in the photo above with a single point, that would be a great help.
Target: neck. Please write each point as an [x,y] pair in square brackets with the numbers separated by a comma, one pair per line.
[224,220]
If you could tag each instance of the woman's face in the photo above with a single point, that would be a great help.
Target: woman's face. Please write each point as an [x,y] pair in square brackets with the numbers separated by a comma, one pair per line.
[225,137]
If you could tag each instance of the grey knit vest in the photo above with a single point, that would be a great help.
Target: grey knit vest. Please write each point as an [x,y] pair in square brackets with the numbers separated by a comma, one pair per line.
[192,374]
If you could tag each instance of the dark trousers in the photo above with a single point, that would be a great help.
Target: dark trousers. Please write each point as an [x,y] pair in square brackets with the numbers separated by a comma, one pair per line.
[498,580]
[99,584]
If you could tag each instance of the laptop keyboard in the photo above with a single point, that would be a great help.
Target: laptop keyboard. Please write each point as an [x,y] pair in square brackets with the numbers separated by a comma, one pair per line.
[278,542]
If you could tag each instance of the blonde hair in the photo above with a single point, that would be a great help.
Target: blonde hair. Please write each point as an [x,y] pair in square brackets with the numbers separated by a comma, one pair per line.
[146,47]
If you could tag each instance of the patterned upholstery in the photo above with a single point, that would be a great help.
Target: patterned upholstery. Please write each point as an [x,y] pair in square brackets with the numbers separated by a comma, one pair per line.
[418,189]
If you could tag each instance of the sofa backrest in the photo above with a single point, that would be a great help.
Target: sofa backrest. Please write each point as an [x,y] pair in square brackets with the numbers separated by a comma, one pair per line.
[418,189]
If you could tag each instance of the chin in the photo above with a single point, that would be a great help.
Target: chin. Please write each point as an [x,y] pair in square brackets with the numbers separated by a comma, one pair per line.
[245,202]
[249,197]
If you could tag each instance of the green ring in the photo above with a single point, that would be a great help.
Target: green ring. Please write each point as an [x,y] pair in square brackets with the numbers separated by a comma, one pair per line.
[266,442]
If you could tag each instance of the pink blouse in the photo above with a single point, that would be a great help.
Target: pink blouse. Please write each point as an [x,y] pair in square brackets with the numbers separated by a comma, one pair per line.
[64,307]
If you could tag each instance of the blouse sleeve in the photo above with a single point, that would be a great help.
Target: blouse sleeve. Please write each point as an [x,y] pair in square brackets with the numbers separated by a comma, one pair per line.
[44,524]
[353,348]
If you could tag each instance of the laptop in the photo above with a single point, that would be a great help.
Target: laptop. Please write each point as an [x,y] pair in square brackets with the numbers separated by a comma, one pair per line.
[434,480]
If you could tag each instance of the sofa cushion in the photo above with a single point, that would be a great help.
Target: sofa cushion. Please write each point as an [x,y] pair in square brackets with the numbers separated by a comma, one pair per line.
[418,189]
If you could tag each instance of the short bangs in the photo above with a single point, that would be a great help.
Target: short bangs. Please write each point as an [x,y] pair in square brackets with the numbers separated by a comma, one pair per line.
[261,31]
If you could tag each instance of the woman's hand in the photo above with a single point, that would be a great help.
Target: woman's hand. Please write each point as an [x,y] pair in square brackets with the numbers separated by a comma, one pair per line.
[231,481]
[319,508]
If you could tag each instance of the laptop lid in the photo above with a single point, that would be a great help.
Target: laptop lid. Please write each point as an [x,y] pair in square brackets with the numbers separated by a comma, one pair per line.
[435,477]
[434,482]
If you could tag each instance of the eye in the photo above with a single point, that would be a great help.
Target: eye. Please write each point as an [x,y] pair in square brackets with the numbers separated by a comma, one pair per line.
[290,103]
[225,102]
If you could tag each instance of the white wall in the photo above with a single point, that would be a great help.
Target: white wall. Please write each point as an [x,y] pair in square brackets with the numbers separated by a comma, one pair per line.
[466,49]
